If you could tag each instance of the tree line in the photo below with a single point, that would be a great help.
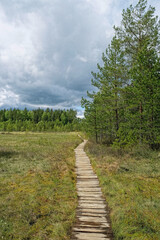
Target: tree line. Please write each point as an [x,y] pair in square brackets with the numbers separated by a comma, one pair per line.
[39,120]
[124,109]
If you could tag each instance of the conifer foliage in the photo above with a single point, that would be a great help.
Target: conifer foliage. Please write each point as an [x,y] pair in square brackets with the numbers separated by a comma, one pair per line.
[125,109]
[39,120]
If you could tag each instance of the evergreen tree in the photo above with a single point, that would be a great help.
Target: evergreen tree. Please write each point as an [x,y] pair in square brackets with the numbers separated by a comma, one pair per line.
[139,34]
[110,81]
[125,107]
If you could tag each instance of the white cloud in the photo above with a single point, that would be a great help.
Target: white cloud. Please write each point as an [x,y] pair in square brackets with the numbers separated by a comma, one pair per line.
[81,58]
[7,97]
[19,46]
[100,6]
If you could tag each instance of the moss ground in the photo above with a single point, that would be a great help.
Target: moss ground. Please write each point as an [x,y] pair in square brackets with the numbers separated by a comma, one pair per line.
[131,184]
[37,185]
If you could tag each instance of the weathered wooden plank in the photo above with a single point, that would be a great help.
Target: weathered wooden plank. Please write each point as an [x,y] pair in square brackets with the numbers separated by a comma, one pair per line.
[80,185]
[84,169]
[89,229]
[94,220]
[92,223]
[88,189]
[93,193]
[97,225]
[85,174]
[81,159]
[90,236]
[87,177]
[83,163]
[94,206]
[91,200]
[90,210]
[92,214]
[89,194]
[88,181]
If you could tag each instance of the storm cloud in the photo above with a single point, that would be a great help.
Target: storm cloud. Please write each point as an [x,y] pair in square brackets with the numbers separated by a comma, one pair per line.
[49,47]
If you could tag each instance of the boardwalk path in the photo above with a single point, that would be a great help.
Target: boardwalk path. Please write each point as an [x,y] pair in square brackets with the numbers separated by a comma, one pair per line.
[92,220]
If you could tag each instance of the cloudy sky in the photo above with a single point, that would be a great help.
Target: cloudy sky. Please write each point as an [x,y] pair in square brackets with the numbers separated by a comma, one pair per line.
[48,49]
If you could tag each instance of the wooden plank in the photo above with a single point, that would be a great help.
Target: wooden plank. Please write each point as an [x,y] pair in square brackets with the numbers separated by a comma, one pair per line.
[89,194]
[84,169]
[90,205]
[92,214]
[83,173]
[86,200]
[87,177]
[92,221]
[90,236]
[91,182]
[97,225]
[90,210]
[89,229]
[88,189]
[80,185]
[88,181]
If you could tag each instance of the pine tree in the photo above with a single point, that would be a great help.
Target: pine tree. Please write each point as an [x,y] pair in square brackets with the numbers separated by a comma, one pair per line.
[125,107]
[110,81]
[139,33]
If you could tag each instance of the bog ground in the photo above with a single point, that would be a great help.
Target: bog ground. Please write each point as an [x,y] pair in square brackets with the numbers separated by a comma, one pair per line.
[38,195]
[131,184]
[37,185]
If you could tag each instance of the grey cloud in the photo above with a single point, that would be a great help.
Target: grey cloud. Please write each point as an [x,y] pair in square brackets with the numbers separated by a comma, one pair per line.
[49,47]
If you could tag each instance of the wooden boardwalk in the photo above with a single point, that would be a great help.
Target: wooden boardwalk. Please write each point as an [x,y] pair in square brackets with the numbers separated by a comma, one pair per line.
[92,220]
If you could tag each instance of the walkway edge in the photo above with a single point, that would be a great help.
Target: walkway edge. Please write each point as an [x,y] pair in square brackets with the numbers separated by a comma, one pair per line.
[92,216]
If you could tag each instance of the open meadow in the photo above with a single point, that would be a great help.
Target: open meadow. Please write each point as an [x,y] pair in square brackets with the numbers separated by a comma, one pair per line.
[37,185]
[131,184]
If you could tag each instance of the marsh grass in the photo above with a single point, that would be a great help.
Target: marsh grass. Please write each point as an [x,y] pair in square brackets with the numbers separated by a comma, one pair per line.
[131,184]
[37,185]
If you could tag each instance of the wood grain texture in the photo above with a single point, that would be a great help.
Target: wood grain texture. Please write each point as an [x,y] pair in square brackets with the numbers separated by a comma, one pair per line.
[92,218]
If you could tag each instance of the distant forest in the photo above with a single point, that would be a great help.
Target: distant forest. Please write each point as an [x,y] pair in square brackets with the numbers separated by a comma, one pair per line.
[124,109]
[39,120]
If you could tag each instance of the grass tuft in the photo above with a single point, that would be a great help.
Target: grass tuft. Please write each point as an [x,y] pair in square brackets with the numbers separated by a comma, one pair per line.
[37,185]
[131,184]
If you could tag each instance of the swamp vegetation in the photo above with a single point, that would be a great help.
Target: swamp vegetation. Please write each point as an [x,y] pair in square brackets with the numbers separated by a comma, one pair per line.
[37,185]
